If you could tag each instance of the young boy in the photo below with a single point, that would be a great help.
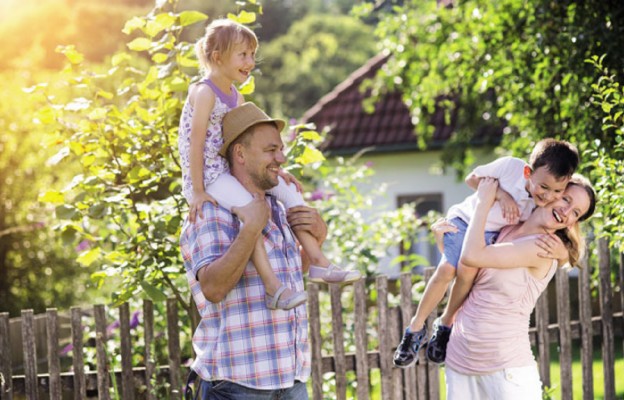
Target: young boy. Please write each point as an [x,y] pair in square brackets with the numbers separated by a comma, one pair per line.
[522,187]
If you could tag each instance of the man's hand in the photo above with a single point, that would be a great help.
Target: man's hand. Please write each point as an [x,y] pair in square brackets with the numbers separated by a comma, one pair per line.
[304,218]
[255,214]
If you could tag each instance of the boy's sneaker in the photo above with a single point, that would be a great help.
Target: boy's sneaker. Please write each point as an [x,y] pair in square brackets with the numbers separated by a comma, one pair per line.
[436,350]
[332,274]
[406,353]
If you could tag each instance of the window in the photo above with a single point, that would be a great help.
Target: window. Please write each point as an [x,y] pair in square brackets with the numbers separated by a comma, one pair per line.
[423,203]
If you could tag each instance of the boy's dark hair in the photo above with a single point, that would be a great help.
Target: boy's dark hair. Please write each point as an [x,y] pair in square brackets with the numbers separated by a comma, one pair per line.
[560,158]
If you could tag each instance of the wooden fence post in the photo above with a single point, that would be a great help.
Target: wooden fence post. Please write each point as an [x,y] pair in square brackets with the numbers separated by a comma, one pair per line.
[30,354]
[543,337]
[606,310]
[80,387]
[587,329]
[54,363]
[148,322]
[409,374]
[314,316]
[338,336]
[103,381]
[127,376]
[173,334]
[6,374]
[433,369]
[565,336]
[361,340]
[382,335]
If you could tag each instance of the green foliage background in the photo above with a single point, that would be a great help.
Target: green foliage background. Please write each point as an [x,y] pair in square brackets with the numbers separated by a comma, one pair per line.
[538,68]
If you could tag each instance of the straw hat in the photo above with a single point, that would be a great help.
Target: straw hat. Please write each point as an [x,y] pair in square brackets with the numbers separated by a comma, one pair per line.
[237,120]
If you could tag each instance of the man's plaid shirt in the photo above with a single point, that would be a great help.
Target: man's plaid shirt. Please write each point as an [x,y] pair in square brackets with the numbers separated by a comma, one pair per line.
[239,339]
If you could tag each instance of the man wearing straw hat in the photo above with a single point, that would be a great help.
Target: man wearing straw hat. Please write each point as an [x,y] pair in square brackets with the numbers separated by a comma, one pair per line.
[244,349]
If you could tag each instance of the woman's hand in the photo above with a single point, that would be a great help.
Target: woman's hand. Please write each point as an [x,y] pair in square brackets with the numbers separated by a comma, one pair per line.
[486,191]
[196,204]
[439,228]
[289,178]
[553,247]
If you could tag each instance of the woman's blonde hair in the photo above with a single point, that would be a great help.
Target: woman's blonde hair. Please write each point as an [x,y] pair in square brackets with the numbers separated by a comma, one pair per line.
[572,236]
[221,35]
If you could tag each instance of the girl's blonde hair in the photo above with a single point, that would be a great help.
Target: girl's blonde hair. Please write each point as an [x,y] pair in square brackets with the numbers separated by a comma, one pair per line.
[572,236]
[221,35]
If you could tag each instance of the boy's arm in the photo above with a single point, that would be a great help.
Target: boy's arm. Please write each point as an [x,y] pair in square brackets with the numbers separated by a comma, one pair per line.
[553,248]
[508,205]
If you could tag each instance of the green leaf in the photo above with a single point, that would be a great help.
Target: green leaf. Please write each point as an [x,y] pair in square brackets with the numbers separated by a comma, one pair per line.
[52,197]
[159,58]
[132,24]
[190,17]
[243,17]
[152,292]
[159,24]
[66,212]
[88,257]
[310,156]
[248,87]
[311,135]
[140,44]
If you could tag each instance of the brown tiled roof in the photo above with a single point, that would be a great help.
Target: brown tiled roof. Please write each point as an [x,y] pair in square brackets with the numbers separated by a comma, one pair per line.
[388,128]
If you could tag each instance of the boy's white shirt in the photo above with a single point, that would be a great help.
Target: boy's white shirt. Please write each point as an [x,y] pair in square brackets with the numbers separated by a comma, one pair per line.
[510,174]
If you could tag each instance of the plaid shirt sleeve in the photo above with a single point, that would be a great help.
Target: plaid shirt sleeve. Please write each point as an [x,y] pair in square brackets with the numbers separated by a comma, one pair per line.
[207,239]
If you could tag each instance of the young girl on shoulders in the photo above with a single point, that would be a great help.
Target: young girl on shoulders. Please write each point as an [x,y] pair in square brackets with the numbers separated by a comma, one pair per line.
[226,55]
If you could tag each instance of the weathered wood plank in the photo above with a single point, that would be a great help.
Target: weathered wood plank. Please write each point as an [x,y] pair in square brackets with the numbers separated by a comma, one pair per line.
[433,369]
[543,339]
[606,310]
[585,316]
[565,337]
[314,319]
[6,369]
[335,294]
[173,334]
[150,365]
[54,362]
[382,334]
[30,354]
[103,381]
[79,383]
[409,374]
[127,379]
[361,341]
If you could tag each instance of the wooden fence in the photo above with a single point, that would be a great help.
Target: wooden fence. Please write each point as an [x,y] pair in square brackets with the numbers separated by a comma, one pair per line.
[353,371]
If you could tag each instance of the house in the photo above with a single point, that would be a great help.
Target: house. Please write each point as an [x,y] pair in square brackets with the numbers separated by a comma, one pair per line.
[388,133]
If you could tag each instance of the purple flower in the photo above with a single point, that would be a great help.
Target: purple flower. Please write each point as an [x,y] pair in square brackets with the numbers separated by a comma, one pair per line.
[369,164]
[82,246]
[134,321]
[65,350]
[320,194]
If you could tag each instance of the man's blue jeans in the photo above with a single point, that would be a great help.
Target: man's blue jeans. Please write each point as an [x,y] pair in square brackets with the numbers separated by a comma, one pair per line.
[226,390]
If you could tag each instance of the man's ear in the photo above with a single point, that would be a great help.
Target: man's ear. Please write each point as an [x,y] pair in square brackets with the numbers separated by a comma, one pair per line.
[238,153]
[527,172]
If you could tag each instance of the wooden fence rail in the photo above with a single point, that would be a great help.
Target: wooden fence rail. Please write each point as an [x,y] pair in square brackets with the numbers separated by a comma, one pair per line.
[372,330]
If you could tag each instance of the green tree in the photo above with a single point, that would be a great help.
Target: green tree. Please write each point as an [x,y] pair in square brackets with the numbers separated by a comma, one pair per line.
[517,64]
[316,54]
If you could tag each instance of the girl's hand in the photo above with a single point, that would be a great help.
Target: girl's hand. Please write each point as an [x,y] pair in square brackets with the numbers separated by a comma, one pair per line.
[196,204]
[439,228]
[486,191]
[508,206]
[552,246]
[289,178]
